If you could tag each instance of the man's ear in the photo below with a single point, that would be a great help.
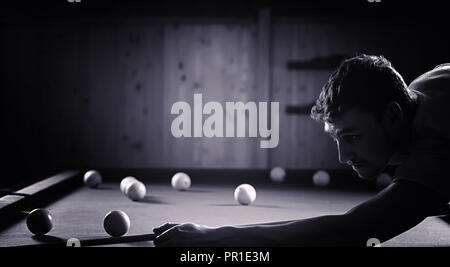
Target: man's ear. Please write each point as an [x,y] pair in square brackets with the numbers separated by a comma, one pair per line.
[393,116]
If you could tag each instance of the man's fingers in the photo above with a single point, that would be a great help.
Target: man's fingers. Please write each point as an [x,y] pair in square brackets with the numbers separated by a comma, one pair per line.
[161,229]
[166,236]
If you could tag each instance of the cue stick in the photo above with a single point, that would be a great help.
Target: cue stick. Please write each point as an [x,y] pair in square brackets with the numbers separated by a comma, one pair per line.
[117,240]
[111,240]
[99,241]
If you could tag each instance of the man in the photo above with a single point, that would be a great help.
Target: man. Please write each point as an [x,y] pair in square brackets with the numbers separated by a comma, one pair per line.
[376,121]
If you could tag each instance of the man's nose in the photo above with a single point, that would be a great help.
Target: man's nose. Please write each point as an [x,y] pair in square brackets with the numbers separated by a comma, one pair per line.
[345,154]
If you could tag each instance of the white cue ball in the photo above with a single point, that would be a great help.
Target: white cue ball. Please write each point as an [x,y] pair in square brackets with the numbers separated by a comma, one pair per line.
[277,174]
[245,194]
[321,178]
[181,181]
[125,181]
[383,180]
[116,223]
[135,191]
[92,178]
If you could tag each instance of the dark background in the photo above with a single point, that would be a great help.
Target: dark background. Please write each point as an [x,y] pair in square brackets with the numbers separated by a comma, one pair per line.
[91,84]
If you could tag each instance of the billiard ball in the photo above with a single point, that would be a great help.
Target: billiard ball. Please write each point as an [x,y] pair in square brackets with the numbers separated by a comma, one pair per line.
[135,190]
[321,178]
[181,181]
[277,174]
[39,221]
[116,223]
[125,181]
[383,180]
[92,178]
[245,194]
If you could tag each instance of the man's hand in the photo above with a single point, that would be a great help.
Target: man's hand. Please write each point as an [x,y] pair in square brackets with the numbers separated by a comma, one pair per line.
[161,229]
[187,235]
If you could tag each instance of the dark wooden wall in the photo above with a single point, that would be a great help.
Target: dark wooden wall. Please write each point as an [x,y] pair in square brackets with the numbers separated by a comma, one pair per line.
[98,92]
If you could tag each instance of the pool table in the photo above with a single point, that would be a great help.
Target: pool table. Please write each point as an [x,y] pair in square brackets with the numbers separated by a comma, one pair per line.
[78,210]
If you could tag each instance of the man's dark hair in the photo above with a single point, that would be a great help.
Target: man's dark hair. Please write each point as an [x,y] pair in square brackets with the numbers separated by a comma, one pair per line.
[365,82]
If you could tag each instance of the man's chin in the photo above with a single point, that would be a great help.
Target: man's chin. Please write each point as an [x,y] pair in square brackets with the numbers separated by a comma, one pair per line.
[367,175]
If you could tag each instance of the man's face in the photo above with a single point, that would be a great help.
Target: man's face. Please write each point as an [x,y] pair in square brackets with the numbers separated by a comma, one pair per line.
[362,141]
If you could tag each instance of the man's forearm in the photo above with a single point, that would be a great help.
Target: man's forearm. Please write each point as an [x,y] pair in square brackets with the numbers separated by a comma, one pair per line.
[330,230]
[267,223]
[391,212]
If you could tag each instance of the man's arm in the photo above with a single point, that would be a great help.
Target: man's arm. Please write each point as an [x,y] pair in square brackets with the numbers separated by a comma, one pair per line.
[396,209]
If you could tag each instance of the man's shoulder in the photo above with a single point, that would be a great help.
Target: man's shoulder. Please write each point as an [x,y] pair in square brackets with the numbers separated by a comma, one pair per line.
[435,79]
[432,93]
[443,65]
[428,158]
